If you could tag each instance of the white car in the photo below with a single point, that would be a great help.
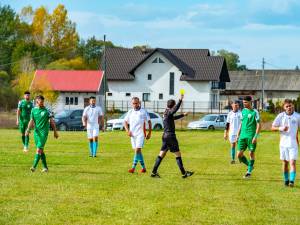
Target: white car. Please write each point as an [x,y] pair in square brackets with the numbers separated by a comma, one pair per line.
[118,124]
[209,122]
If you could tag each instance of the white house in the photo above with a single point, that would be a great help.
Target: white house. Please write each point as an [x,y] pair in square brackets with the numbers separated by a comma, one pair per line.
[74,87]
[157,75]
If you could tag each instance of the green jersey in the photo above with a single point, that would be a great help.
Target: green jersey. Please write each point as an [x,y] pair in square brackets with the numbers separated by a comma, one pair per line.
[250,118]
[25,108]
[41,118]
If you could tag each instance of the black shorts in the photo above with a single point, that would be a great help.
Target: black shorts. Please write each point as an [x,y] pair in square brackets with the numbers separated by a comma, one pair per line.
[169,143]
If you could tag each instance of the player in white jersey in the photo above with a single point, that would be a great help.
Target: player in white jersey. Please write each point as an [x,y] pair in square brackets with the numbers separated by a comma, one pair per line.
[287,123]
[135,122]
[232,127]
[91,119]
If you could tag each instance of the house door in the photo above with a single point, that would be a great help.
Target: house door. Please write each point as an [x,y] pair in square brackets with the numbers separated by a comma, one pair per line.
[86,102]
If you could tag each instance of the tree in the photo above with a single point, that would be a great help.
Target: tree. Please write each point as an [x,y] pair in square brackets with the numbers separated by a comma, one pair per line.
[42,86]
[232,60]
[8,98]
[65,64]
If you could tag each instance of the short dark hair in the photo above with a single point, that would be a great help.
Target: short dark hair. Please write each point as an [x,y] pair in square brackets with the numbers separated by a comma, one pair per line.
[235,102]
[92,97]
[171,103]
[247,98]
[135,99]
[41,97]
[287,101]
[26,93]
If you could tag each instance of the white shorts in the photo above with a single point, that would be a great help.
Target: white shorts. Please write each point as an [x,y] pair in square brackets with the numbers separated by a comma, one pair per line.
[232,138]
[137,142]
[288,153]
[92,132]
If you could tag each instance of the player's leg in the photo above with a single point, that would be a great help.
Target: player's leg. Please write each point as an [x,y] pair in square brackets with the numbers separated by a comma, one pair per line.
[36,160]
[285,170]
[91,141]
[22,129]
[293,156]
[179,162]
[26,137]
[284,157]
[292,172]
[162,154]
[232,152]
[41,146]
[139,145]
[135,157]
[242,146]
[95,134]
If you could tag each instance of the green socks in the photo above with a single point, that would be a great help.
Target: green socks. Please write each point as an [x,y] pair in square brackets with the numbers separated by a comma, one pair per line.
[250,165]
[26,141]
[44,162]
[36,160]
[244,160]
[23,140]
[232,153]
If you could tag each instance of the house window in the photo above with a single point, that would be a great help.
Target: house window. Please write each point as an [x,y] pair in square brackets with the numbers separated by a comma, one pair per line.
[149,76]
[160,60]
[146,97]
[128,94]
[71,101]
[109,94]
[155,60]
[76,100]
[160,96]
[171,92]
[67,101]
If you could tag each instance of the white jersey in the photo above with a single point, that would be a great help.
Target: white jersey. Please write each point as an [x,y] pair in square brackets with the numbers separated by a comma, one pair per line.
[288,138]
[234,120]
[136,120]
[92,114]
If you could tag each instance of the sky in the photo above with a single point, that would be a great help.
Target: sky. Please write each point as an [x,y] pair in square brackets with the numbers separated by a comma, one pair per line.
[251,28]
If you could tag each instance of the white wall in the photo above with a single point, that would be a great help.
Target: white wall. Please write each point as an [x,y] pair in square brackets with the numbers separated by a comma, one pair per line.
[60,105]
[194,90]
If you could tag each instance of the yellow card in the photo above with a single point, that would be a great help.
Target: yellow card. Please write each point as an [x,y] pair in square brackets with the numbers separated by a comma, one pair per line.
[182,91]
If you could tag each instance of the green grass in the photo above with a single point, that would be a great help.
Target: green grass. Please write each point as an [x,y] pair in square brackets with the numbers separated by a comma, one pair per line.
[82,190]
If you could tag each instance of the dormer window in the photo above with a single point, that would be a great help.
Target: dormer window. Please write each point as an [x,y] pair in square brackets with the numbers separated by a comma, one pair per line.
[158,60]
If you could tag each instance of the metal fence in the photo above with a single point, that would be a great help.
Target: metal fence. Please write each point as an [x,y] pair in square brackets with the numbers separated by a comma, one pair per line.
[159,106]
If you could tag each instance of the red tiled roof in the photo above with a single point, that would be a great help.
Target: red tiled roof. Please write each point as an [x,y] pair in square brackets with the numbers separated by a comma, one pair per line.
[70,80]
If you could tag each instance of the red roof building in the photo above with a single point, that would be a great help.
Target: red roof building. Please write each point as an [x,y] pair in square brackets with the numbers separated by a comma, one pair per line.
[74,87]
[70,80]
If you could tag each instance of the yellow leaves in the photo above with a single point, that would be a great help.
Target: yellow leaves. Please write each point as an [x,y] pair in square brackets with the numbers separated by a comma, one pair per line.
[64,64]
[22,82]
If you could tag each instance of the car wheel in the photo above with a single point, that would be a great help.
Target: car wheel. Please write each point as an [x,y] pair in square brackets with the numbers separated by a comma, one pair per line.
[211,127]
[62,127]
[157,127]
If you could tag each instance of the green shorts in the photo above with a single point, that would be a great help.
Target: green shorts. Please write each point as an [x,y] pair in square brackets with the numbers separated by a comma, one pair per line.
[244,143]
[40,140]
[23,126]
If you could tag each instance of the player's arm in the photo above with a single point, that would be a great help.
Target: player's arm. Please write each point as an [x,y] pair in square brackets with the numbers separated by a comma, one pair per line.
[101,122]
[177,117]
[84,119]
[276,125]
[177,106]
[52,124]
[126,126]
[258,127]
[238,133]
[226,130]
[18,114]
[149,130]
[30,125]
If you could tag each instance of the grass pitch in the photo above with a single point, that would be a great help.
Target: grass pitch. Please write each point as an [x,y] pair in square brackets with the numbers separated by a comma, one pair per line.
[83,190]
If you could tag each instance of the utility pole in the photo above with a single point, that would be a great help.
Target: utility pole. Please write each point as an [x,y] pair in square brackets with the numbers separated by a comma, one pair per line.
[263,84]
[104,73]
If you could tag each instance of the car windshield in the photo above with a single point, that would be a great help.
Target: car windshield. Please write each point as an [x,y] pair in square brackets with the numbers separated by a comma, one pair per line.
[62,114]
[208,118]
[123,116]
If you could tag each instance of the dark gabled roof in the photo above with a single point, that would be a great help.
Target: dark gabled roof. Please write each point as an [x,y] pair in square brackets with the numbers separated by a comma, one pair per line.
[275,80]
[182,66]
[195,64]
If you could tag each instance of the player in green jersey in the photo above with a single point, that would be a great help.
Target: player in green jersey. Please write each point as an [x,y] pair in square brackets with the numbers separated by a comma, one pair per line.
[41,119]
[23,116]
[248,134]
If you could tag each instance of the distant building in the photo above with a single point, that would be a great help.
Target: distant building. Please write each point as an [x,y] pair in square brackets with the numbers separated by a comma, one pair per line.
[74,87]
[156,75]
[278,85]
